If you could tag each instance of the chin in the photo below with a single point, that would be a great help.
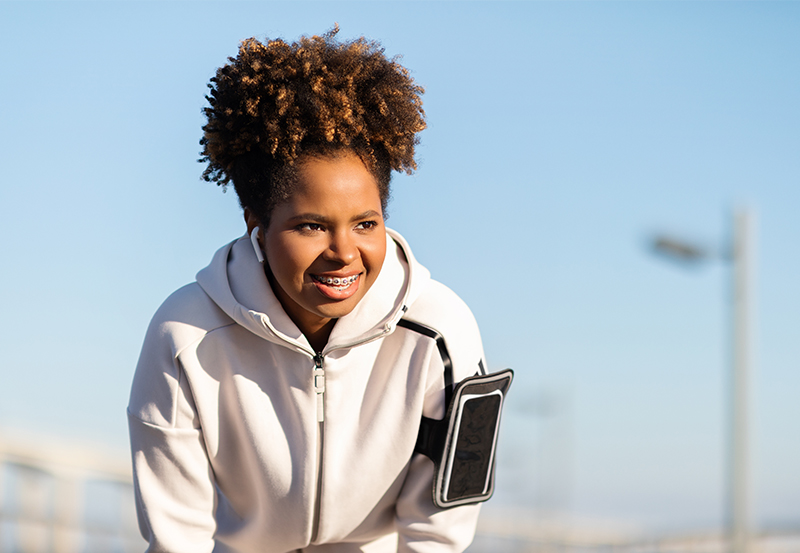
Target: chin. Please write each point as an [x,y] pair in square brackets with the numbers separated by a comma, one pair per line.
[336,310]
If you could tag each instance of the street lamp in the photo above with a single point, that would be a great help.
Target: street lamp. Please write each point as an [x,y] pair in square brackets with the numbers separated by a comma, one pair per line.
[740,253]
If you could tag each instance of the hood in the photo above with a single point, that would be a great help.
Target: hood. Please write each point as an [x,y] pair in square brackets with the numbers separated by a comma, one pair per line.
[236,282]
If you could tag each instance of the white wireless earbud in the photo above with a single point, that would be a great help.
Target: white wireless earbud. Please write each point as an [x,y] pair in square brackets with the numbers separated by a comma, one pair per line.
[256,247]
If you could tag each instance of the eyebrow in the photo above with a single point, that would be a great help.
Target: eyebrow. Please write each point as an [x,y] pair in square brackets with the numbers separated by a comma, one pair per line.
[317,218]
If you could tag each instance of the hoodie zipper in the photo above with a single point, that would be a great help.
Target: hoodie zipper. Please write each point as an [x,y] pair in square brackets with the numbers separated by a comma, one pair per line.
[319,388]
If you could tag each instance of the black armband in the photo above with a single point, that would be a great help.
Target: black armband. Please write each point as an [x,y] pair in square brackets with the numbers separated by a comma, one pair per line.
[462,445]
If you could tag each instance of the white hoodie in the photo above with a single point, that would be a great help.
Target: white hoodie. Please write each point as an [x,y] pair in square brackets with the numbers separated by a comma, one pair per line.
[228,452]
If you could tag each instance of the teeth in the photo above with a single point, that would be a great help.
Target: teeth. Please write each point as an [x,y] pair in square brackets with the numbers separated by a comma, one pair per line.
[338,281]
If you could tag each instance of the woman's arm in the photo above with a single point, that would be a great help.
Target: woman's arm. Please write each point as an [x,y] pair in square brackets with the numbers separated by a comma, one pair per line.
[173,481]
[173,486]
[423,527]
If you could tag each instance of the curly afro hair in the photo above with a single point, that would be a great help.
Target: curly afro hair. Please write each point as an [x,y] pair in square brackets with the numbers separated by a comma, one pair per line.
[277,102]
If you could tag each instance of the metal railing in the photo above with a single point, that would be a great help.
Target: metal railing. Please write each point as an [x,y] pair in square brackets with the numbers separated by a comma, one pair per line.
[56,498]
[529,532]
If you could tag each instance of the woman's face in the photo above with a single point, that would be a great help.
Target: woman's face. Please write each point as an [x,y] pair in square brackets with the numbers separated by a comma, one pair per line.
[325,246]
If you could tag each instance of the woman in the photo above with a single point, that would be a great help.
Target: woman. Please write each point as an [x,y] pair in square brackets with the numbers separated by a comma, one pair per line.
[277,399]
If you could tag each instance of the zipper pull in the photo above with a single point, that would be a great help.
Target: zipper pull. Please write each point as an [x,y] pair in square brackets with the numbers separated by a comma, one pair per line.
[319,386]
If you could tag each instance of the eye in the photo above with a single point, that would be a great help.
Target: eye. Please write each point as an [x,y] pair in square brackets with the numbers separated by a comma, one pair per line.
[309,227]
[366,225]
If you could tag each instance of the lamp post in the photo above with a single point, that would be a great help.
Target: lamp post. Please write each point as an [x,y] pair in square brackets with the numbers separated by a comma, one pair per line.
[740,253]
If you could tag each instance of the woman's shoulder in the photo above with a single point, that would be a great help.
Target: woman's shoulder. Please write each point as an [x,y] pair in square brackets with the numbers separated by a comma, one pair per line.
[438,303]
[187,314]
[184,318]
[442,310]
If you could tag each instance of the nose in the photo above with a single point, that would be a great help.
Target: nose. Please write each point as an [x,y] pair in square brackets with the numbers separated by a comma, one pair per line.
[342,248]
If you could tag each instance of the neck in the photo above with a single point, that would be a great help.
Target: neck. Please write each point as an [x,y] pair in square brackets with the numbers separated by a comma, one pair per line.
[318,337]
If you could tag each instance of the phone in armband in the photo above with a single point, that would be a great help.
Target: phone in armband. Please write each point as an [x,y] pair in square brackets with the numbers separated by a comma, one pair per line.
[464,470]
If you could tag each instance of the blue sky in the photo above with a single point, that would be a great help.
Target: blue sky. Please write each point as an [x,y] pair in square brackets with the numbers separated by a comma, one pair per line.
[561,136]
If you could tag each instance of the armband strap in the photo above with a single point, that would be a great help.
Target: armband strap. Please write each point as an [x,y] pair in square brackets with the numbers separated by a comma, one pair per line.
[448,364]
[431,437]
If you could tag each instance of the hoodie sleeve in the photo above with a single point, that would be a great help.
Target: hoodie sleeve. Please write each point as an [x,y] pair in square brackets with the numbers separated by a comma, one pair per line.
[423,527]
[173,481]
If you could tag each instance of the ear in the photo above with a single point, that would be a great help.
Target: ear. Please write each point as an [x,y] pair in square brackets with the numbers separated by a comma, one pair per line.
[251,220]
[254,230]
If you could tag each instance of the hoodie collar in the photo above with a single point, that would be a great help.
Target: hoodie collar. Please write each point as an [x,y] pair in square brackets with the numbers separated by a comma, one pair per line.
[236,282]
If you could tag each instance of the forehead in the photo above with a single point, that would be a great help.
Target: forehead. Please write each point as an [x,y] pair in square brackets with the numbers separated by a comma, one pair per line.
[331,183]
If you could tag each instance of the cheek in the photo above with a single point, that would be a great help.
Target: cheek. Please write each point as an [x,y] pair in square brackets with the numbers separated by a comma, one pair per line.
[374,256]
[285,260]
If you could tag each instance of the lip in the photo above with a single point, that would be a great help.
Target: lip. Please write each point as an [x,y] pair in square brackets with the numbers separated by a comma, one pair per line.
[334,293]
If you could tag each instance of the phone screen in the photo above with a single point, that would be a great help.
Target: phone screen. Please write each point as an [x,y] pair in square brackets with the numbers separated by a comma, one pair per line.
[476,432]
